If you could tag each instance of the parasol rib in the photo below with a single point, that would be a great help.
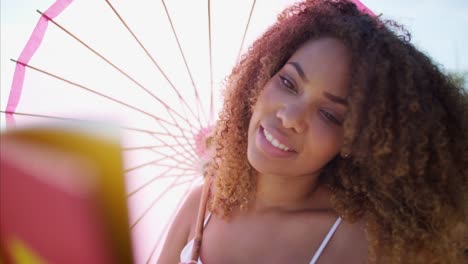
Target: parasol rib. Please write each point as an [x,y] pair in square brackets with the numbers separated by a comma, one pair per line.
[161,176]
[161,141]
[211,62]
[157,65]
[172,157]
[148,131]
[178,152]
[169,222]
[94,92]
[160,120]
[43,116]
[195,88]
[173,184]
[153,163]
[81,120]
[167,107]
[245,31]
[150,147]
[153,147]
[147,183]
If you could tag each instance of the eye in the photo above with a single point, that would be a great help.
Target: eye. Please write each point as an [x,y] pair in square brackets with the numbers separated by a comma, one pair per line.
[330,117]
[285,82]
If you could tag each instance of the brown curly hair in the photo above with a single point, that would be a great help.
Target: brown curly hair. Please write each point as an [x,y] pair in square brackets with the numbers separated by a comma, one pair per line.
[406,133]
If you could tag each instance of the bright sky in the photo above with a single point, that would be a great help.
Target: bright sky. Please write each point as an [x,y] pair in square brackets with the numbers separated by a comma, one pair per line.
[439,28]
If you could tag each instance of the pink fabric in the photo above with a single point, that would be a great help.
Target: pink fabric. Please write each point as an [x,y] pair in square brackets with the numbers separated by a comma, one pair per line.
[363,8]
[35,41]
[29,50]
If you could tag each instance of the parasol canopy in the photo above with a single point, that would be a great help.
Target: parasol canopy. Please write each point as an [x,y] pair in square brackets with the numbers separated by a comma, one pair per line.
[154,68]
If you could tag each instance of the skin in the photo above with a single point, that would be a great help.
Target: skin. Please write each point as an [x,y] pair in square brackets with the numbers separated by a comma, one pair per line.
[290,214]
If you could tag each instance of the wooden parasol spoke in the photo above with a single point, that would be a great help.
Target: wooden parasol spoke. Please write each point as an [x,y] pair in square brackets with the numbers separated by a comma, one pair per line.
[163,175]
[179,204]
[155,162]
[158,119]
[173,184]
[169,109]
[245,30]
[157,65]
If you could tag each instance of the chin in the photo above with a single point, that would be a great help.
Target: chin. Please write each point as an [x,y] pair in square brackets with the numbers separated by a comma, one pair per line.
[264,166]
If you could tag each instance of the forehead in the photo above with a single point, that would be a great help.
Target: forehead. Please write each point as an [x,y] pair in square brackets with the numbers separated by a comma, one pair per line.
[326,62]
[325,49]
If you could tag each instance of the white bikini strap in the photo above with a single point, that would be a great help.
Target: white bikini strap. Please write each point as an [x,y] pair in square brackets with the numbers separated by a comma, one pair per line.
[325,241]
[207,218]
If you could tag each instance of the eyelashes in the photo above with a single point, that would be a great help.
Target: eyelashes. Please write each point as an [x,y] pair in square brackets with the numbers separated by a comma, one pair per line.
[330,117]
[290,85]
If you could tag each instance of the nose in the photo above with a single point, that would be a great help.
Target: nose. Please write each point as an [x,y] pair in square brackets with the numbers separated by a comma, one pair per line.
[293,117]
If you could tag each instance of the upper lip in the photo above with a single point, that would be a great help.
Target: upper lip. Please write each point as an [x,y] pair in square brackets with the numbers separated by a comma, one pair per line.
[279,136]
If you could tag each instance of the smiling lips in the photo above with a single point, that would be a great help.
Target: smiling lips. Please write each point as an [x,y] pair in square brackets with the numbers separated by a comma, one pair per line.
[277,140]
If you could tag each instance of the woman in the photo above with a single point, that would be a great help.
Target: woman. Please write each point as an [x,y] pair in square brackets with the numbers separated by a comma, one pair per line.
[338,142]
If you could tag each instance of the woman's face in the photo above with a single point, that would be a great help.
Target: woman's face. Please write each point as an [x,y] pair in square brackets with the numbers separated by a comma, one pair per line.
[296,125]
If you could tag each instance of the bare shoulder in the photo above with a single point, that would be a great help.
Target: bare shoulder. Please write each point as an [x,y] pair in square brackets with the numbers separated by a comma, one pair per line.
[182,228]
[190,209]
[351,242]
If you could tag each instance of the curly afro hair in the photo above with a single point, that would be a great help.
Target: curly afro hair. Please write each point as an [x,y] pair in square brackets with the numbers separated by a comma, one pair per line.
[405,133]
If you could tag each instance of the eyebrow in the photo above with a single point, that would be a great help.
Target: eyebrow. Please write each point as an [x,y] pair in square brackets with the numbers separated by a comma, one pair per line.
[331,97]
[335,99]
[299,70]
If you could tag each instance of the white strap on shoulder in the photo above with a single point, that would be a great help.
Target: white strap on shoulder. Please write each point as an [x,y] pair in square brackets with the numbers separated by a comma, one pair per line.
[207,218]
[325,241]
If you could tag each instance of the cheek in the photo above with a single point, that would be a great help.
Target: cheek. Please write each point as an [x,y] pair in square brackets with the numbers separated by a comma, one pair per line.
[274,93]
[325,139]
[258,110]
[264,101]
[270,98]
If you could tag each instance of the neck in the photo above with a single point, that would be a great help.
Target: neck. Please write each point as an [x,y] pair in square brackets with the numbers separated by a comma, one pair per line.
[284,193]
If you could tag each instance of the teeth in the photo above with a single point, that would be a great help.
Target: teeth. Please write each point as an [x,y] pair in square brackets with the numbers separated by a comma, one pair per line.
[274,142]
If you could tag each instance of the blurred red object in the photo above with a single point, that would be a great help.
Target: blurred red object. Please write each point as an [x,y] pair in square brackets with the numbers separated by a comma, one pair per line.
[62,199]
